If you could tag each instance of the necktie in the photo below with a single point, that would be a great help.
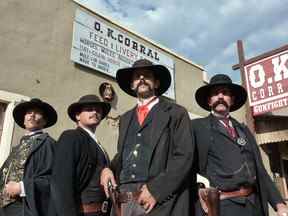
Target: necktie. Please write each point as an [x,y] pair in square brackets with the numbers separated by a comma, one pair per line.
[142,111]
[230,129]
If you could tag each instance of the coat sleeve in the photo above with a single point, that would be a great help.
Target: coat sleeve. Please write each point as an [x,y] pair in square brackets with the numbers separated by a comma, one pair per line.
[273,195]
[63,182]
[37,181]
[179,161]
[196,163]
[116,161]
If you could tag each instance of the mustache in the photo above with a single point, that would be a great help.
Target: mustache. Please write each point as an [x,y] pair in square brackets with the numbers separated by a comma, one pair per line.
[142,82]
[220,101]
[33,120]
[97,116]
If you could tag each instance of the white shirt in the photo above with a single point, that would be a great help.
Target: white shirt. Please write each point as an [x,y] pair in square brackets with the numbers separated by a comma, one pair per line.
[146,101]
[222,122]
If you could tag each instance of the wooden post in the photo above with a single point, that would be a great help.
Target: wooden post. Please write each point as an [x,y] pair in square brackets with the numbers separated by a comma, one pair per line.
[248,114]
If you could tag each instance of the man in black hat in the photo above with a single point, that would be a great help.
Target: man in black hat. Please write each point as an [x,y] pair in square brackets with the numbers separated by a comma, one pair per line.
[154,147]
[79,158]
[25,175]
[228,155]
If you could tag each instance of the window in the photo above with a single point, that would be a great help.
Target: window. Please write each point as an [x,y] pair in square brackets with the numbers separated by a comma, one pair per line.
[3,107]
[8,101]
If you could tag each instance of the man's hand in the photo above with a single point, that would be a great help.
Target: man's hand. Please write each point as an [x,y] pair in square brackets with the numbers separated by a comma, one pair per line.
[106,176]
[282,209]
[146,199]
[12,189]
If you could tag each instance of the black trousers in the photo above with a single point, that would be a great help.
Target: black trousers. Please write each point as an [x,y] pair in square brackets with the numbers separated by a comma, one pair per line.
[13,209]
[230,207]
[131,208]
[94,214]
[247,207]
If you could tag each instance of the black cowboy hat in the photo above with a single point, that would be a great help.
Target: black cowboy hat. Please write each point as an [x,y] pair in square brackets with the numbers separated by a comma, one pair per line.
[161,73]
[49,112]
[87,100]
[203,93]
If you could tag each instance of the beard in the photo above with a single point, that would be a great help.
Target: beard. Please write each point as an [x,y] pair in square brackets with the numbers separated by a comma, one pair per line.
[144,94]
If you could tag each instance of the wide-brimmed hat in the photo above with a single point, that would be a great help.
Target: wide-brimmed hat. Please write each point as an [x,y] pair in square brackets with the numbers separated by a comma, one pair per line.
[88,100]
[161,73]
[203,93]
[49,112]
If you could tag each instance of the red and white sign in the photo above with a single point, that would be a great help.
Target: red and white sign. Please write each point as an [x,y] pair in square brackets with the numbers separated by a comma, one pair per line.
[267,83]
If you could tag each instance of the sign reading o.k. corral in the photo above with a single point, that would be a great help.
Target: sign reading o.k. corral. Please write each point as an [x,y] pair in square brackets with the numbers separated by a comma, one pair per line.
[267,83]
[99,45]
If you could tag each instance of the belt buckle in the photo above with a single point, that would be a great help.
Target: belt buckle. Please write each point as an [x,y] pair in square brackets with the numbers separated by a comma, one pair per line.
[104,207]
[129,196]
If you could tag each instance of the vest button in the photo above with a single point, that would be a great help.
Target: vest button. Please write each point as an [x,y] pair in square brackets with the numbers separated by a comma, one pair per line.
[135,153]
[139,134]
[133,176]
[134,165]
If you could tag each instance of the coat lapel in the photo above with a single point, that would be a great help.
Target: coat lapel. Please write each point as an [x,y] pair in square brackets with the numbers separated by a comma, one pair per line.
[159,122]
[205,140]
[124,124]
[91,144]
[36,145]
[218,128]
[39,141]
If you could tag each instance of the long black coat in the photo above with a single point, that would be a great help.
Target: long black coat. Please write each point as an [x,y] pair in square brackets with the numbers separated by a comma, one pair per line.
[206,134]
[171,159]
[74,164]
[37,173]
[36,179]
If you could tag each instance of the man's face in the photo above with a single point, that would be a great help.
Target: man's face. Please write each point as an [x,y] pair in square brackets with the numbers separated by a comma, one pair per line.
[220,100]
[34,119]
[90,116]
[144,83]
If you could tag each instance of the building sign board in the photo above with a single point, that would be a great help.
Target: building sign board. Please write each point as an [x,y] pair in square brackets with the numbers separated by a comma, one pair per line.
[102,47]
[267,83]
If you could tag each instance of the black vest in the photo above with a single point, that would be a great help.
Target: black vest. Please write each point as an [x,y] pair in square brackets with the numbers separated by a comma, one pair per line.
[230,165]
[137,152]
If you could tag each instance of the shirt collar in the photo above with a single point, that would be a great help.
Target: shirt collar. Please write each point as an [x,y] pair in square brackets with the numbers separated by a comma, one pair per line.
[219,116]
[146,101]
[91,134]
[223,119]
[31,133]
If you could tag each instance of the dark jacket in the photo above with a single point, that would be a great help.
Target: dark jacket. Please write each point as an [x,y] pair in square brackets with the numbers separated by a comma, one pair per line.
[37,173]
[36,179]
[207,134]
[171,159]
[74,164]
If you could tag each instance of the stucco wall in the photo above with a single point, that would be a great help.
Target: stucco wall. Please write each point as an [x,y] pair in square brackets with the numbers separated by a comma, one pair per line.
[36,40]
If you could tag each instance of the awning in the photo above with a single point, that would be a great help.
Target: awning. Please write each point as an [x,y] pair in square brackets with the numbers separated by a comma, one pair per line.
[272,137]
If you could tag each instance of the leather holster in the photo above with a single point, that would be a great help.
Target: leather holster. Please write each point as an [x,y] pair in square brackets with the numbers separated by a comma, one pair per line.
[210,201]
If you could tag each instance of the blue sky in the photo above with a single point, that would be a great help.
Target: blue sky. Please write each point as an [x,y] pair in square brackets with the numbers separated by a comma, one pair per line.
[204,31]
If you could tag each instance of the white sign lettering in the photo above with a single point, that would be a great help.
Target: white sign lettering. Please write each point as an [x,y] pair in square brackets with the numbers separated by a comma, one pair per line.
[267,83]
[100,46]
